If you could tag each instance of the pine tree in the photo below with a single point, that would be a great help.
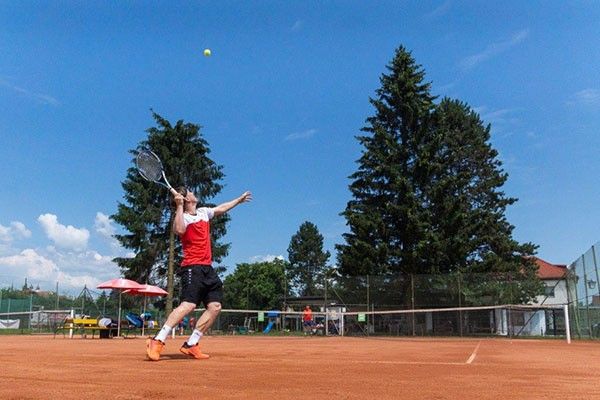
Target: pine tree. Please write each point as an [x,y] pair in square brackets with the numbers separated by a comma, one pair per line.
[307,260]
[146,215]
[427,194]
[468,230]
[385,215]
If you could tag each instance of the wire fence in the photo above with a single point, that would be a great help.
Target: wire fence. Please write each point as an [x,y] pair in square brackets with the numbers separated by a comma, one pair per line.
[372,295]
[584,294]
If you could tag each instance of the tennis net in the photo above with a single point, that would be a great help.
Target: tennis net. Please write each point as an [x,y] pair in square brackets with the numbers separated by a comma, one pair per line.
[42,321]
[501,320]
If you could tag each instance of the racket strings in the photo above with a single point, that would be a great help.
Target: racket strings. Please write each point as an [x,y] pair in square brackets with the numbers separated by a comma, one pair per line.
[149,166]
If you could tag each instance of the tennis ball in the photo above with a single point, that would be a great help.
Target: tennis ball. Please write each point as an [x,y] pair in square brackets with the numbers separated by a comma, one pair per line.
[207,52]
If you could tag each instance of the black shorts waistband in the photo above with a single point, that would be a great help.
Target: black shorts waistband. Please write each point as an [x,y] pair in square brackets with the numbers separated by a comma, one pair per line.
[196,265]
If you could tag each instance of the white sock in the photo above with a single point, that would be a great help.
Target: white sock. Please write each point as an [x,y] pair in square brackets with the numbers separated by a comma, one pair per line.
[194,338]
[163,333]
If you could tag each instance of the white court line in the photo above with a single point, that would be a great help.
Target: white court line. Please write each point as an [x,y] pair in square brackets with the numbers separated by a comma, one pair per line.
[407,362]
[474,354]
[390,362]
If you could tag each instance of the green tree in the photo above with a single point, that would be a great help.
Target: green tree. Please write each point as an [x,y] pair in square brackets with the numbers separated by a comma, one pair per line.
[468,230]
[146,214]
[427,195]
[307,260]
[258,286]
[385,215]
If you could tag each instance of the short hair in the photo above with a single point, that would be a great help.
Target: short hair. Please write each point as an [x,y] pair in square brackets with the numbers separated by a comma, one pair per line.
[182,190]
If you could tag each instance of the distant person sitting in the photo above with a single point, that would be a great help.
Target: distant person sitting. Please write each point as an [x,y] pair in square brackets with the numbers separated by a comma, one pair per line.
[307,319]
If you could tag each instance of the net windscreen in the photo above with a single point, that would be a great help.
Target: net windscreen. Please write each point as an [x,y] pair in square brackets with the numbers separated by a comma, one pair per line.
[149,166]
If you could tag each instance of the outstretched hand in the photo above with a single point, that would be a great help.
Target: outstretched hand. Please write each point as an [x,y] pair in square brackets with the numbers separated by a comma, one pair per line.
[245,197]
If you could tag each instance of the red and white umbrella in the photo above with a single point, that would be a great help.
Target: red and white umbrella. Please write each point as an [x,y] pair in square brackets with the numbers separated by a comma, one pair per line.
[147,291]
[120,284]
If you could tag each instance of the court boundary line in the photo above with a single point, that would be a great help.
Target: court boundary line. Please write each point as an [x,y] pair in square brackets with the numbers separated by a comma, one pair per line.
[473,354]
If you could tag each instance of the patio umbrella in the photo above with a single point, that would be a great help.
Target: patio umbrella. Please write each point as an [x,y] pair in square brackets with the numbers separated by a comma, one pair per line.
[147,291]
[119,284]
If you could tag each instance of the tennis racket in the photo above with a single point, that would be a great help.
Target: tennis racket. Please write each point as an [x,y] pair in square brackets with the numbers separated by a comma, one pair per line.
[150,168]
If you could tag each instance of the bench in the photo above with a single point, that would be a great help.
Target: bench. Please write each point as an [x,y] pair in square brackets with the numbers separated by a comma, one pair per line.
[82,326]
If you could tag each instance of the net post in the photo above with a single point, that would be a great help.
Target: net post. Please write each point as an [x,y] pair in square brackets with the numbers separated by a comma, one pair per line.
[71,328]
[567,325]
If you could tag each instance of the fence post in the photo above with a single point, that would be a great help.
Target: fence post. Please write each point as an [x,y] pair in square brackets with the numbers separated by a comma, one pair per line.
[30,308]
[412,301]
[587,298]
[460,321]
[567,325]
[367,315]
[596,268]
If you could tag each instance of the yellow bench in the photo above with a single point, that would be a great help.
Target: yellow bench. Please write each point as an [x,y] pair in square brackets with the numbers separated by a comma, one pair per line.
[80,325]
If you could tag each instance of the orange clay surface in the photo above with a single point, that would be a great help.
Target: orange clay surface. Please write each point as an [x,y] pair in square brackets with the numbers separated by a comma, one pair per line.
[246,367]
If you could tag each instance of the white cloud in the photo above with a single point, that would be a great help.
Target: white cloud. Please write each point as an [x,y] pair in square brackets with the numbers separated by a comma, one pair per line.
[5,235]
[445,88]
[63,236]
[440,10]
[20,229]
[497,117]
[265,258]
[297,25]
[590,97]
[301,135]
[66,260]
[103,225]
[42,98]
[29,263]
[494,49]
[16,230]
[71,270]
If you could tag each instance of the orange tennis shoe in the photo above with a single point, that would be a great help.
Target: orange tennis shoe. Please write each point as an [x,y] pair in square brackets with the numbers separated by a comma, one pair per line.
[154,348]
[193,351]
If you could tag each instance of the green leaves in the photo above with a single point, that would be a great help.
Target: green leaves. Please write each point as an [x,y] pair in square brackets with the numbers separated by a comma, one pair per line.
[307,260]
[146,211]
[256,286]
[426,197]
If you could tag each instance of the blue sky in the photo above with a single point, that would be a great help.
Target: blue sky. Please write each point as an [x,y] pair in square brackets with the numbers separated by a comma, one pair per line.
[280,100]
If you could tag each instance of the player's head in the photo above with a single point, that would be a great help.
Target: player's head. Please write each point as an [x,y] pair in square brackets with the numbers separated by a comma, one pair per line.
[182,190]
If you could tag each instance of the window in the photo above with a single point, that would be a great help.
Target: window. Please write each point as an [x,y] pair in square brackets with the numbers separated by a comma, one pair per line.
[549,291]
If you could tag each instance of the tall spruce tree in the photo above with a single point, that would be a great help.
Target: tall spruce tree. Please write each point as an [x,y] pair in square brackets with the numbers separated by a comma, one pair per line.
[468,230]
[146,215]
[427,194]
[307,260]
[385,216]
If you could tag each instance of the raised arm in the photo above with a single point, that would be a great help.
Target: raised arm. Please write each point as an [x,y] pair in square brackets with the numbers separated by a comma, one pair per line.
[223,208]
[178,222]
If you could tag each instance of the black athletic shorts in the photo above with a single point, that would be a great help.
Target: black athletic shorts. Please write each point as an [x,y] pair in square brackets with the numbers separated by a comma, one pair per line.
[200,283]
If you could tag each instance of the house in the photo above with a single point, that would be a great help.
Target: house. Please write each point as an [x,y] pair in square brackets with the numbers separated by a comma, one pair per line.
[547,321]
[554,277]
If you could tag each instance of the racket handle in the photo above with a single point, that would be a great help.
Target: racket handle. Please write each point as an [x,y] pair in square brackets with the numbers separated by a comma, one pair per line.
[173,191]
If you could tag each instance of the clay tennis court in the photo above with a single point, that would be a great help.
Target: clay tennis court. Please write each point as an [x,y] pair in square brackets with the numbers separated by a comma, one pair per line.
[246,367]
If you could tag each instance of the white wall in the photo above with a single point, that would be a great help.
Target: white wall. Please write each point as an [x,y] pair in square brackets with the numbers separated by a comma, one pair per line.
[560,293]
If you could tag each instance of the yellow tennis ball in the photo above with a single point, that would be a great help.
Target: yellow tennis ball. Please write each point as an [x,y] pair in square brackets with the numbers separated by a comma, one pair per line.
[207,52]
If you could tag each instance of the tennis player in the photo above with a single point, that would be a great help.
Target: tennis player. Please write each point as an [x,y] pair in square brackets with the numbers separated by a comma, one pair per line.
[199,281]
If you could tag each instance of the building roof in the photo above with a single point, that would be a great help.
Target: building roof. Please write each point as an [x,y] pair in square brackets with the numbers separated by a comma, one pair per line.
[550,271]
